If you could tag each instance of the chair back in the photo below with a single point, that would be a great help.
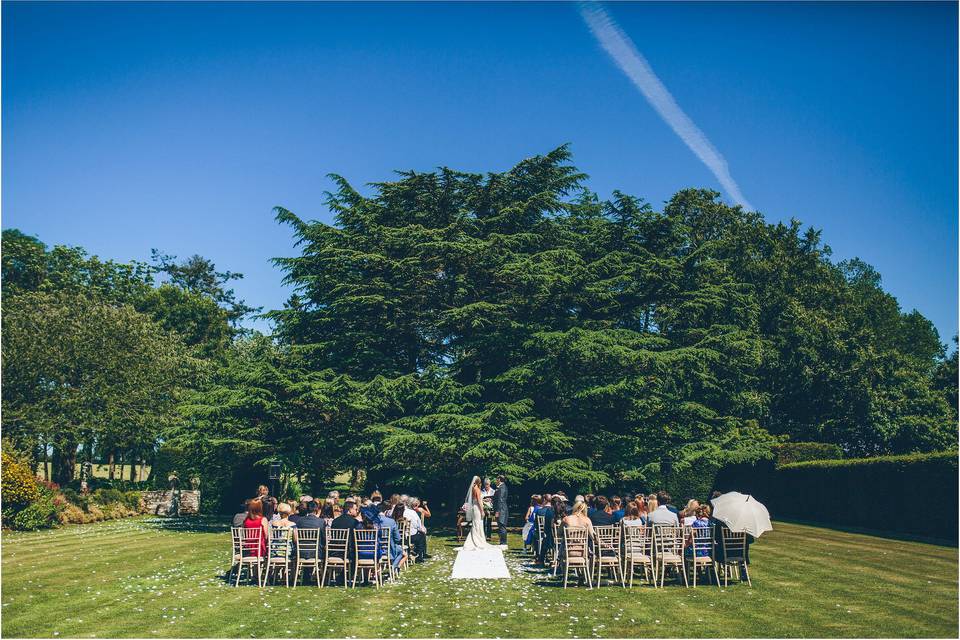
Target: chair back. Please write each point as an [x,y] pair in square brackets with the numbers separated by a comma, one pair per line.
[251,541]
[668,540]
[575,542]
[384,541]
[734,545]
[337,542]
[607,540]
[281,542]
[308,543]
[365,542]
[235,533]
[702,541]
[637,541]
[541,526]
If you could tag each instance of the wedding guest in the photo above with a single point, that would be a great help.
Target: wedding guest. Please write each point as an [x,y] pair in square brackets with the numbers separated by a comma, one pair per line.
[601,512]
[348,519]
[241,515]
[327,514]
[590,500]
[690,513]
[418,534]
[529,519]
[663,499]
[632,517]
[663,515]
[420,506]
[616,509]
[256,520]
[376,497]
[578,518]
[397,557]
[700,521]
[651,507]
[551,511]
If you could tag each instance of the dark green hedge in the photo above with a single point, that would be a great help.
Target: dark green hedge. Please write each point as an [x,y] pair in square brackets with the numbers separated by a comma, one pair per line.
[913,494]
[790,452]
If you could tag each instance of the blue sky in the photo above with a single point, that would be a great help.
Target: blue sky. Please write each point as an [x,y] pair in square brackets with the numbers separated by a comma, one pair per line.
[127,127]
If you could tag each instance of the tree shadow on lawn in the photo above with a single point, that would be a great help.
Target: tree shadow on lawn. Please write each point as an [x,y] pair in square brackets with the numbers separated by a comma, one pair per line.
[192,524]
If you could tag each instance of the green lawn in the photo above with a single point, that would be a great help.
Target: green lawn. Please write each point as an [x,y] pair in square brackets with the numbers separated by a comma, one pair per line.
[153,578]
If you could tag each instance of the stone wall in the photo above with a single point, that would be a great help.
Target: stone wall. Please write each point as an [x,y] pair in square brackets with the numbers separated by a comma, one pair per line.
[158,502]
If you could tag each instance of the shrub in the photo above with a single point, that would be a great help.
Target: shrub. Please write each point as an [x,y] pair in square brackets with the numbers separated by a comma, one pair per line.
[42,513]
[106,497]
[790,452]
[19,486]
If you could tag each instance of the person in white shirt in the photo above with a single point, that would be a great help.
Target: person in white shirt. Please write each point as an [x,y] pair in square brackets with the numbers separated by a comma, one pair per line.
[418,533]
[663,515]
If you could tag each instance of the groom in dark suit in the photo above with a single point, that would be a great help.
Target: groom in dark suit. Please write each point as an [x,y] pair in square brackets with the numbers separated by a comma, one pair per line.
[500,508]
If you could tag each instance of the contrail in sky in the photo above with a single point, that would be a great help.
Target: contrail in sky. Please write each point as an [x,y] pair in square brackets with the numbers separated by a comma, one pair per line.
[631,62]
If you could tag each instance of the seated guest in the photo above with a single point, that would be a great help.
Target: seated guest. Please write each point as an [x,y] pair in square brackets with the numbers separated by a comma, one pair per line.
[651,505]
[418,533]
[255,520]
[616,509]
[369,509]
[663,515]
[394,499]
[241,515]
[420,506]
[368,524]
[550,512]
[284,522]
[397,557]
[301,511]
[663,499]
[590,501]
[376,498]
[347,519]
[689,513]
[578,518]
[312,520]
[601,512]
[326,513]
[632,517]
[700,521]
[529,519]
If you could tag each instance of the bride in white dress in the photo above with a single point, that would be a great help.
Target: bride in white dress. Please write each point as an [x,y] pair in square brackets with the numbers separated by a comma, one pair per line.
[473,504]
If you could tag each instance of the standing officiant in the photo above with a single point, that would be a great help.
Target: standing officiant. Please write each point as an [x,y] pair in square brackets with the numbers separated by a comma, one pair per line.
[500,511]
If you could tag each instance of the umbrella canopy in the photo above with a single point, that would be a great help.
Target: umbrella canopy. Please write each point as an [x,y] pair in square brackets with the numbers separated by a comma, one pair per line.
[741,512]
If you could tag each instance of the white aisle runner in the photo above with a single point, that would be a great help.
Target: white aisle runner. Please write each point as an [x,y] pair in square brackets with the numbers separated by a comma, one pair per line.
[488,563]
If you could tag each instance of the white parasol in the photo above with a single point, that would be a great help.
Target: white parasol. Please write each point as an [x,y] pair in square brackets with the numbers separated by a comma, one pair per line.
[742,513]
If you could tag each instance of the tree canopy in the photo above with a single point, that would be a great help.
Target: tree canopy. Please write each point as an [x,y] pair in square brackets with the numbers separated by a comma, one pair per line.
[515,322]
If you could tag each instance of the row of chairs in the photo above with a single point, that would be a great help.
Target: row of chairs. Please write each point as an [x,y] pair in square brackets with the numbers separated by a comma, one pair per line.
[365,552]
[622,550]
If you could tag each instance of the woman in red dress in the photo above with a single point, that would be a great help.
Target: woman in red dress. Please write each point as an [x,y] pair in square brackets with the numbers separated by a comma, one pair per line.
[255,520]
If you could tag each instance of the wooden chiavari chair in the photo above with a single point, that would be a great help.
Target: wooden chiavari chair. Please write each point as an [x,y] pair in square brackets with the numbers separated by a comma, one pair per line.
[576,550]
[606,552]
[668,551]
[638,552]
[335,554]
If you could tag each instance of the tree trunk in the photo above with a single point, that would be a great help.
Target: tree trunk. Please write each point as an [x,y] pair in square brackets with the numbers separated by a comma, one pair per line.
[133,466]
[64,462]
[111,463]
[46,467]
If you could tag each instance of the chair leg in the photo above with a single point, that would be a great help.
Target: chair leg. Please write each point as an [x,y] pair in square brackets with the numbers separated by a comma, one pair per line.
[566,574]
[747,573]
[694,572]
[716,576]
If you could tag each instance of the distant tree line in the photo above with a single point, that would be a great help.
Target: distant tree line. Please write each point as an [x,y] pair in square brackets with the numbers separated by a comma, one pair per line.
[506,322]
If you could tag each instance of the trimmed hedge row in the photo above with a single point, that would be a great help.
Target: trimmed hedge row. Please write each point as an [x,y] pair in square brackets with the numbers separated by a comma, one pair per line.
[914,494]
